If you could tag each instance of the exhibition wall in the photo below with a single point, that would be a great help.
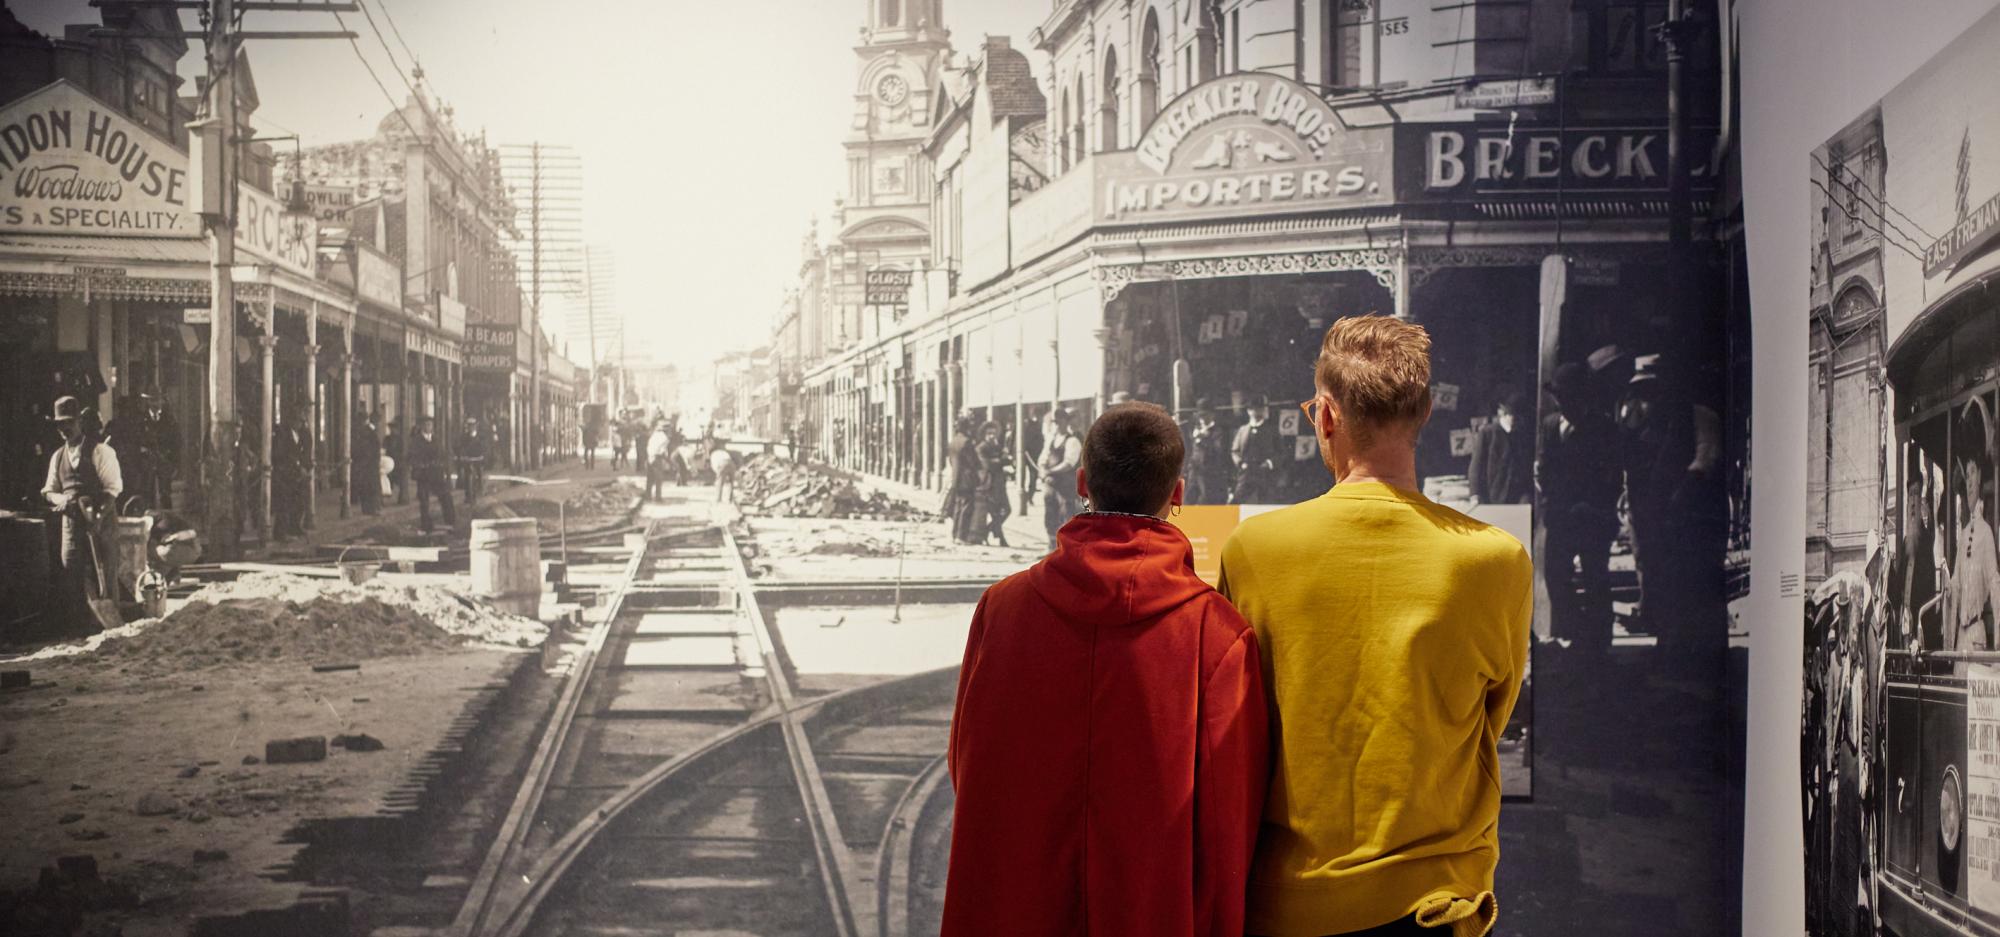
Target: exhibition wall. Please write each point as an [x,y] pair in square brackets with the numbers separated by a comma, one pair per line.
[1871,142]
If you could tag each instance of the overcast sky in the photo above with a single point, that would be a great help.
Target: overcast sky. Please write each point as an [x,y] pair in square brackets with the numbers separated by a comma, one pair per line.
[710,131]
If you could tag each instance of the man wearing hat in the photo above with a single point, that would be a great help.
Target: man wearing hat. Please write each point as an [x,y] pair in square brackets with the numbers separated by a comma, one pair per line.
[150,443]
[1579,485]
[427,473]
[1258,451]
[83,485]
[1061,454]
[1671,443]
[1208,466]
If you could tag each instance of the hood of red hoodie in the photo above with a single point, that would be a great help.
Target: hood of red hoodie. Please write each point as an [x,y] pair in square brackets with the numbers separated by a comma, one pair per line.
[1117,568]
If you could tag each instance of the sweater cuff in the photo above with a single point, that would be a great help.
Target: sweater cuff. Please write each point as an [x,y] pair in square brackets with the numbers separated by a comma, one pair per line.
[1464,917]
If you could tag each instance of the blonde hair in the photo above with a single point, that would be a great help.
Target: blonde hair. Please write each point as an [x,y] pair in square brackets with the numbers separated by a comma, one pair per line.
[1378,371]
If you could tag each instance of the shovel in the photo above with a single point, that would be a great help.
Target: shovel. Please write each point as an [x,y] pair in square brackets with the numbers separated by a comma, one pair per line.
[105,607]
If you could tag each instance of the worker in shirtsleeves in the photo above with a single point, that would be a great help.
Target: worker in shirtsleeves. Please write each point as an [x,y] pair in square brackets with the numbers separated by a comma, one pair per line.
[83,485]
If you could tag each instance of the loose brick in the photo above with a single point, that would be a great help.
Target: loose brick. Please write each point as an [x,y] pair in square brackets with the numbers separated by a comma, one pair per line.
[295,751]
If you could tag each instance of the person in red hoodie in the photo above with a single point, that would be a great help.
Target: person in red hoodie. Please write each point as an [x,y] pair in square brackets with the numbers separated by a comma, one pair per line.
[1109,748]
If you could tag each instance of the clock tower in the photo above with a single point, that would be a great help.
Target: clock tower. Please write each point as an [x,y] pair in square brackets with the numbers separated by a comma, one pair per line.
[884,218]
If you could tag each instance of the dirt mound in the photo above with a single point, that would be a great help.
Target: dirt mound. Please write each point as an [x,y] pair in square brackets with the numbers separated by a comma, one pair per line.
[776,486]
[274,616]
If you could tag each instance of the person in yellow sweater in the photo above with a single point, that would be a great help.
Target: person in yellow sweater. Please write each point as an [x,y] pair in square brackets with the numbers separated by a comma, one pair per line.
[1395,637]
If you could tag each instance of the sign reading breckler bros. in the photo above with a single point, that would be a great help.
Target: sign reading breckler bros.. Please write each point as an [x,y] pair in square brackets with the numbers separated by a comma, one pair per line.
[1246,143]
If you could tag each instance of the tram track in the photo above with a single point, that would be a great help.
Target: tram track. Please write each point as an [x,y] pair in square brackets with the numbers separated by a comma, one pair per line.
[684,784]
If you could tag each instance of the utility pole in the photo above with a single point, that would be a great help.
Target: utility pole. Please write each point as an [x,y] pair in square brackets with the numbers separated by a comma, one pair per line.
[535,312]
[590,317]
[214,151]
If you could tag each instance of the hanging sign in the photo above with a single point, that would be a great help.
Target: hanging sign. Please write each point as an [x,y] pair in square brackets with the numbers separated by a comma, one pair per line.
[71,164]
[1246,143]
[1507,92]
[270,234]
[1524,158]
[887,287]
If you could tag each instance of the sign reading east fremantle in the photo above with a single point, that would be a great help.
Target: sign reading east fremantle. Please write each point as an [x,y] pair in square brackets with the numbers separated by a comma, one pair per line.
[1971,233]
[1517,158]
[1247,143]
[69,164]
[887,287]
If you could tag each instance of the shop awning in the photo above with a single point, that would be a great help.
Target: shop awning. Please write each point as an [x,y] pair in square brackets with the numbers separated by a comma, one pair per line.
[105,251]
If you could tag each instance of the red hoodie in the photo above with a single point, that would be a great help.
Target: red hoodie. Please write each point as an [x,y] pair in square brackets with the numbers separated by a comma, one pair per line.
[1109,748]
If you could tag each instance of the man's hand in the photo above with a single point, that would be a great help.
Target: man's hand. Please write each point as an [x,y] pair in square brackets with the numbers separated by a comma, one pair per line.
[58,501]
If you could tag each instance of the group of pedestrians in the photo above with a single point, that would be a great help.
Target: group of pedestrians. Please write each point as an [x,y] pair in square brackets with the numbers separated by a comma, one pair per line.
[1308,749]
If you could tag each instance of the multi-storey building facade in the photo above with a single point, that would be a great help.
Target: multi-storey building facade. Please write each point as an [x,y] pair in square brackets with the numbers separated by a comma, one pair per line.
[1202,188]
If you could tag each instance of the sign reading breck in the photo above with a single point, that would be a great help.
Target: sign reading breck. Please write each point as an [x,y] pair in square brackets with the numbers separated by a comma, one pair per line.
[1246,143]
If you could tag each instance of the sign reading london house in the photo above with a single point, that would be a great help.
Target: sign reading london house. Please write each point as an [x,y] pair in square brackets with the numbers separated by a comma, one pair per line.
[1247,143]
[69,164]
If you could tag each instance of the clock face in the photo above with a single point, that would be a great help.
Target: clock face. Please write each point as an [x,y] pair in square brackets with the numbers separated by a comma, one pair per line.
[892,89]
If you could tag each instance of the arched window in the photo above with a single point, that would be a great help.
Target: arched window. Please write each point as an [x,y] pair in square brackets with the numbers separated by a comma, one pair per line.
[1149,68]
[1107,109]
[1081,121]
[892,12]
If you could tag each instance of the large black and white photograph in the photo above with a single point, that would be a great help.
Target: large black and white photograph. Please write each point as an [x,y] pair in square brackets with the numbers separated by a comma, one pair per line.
[1897,756]
[492,468]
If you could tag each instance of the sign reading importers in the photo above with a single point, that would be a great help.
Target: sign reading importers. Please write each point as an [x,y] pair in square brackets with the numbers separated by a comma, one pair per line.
[1245,144]
[71,164]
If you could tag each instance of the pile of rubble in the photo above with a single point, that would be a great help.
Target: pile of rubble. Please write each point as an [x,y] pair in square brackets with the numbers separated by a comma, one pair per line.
[775,486]
[276,616]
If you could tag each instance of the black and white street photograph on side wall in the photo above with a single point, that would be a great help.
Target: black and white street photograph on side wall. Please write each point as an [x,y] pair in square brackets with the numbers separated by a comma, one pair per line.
[1899,758]
[477,467]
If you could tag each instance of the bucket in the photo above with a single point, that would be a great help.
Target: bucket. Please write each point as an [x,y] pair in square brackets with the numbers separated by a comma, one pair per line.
[507,564]
[130,537]
[357,571]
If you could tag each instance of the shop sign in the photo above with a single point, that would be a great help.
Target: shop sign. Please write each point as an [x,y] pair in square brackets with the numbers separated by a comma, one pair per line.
[1517,158]
[268,233]
[1982,786]
[887,287]
[1970,234]
[197,315]
[377,278]
[490,347]
[1511,92]
[1246,144]
[70,164]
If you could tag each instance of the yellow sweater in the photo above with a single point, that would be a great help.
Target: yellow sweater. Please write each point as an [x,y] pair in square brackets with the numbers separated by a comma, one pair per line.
[1395,638]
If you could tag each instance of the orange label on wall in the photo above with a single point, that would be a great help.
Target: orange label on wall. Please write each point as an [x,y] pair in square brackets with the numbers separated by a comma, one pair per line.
[1208,527]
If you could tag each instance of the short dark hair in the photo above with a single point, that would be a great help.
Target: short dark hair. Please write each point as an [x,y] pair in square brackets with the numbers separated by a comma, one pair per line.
[1132,458]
